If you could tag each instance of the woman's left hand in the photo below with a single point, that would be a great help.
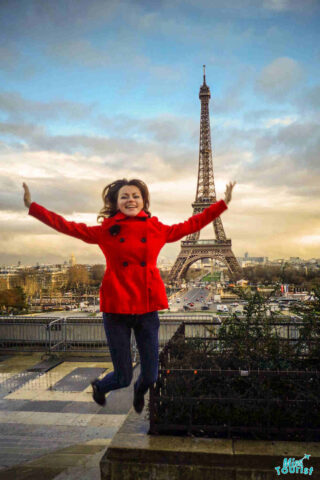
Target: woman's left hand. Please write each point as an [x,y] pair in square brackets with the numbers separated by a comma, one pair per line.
[228,192]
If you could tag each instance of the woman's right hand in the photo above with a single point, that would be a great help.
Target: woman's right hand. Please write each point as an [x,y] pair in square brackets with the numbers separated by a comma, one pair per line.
[27,196]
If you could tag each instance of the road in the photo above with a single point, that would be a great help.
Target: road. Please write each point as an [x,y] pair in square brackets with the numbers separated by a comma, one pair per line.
[199,297]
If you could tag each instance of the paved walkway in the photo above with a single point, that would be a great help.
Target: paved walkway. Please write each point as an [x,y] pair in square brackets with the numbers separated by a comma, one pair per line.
[50,428]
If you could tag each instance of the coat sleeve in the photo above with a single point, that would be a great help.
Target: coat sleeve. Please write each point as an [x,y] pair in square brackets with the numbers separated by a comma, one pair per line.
[77,230]
[195,223]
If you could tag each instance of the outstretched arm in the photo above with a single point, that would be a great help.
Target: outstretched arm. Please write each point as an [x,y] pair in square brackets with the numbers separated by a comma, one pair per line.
[200,220]
[74,229]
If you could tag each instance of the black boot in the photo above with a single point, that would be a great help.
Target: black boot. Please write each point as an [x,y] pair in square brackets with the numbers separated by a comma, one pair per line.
[98,397]
[138,400]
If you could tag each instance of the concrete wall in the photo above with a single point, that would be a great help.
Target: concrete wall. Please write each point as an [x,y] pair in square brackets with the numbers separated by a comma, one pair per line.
[135,455]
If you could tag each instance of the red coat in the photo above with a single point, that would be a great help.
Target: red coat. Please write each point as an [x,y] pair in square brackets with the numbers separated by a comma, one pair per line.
[132,282]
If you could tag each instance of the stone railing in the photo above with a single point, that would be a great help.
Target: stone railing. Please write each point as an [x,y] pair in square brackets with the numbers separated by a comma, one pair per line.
[133,454]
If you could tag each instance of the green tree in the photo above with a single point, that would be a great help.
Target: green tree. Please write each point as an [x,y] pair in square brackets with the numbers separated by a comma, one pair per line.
[250,340]
[78,278]
[293,275]
[96,274]
[13,300]
[309,337]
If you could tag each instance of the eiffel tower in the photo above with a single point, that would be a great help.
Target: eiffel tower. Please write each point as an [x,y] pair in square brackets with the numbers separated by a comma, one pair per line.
[193,249]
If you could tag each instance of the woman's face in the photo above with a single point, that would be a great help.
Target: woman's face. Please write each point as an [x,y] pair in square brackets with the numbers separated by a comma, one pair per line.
[130,201]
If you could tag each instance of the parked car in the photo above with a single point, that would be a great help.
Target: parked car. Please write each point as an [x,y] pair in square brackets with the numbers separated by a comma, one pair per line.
[222,308]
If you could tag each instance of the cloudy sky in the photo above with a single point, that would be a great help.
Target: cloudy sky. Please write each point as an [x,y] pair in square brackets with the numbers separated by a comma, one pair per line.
[92,91]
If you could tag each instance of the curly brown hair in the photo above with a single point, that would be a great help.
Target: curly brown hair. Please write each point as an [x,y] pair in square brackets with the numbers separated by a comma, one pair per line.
[110,197]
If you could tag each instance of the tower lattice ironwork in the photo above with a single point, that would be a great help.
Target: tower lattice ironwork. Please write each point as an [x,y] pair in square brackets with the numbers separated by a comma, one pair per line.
[193,249]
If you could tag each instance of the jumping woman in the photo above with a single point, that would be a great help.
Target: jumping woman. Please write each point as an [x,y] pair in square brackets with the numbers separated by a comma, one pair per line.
[132,290]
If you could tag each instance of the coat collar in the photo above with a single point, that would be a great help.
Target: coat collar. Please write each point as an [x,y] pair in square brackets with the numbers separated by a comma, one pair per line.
[121,216]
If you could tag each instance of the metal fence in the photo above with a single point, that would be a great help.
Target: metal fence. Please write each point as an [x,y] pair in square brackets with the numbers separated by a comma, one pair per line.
[194,396]
[86,334]
[79,334]
[25,333]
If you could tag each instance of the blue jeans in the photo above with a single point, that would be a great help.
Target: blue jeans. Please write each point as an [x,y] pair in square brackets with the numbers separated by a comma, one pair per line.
[118,331]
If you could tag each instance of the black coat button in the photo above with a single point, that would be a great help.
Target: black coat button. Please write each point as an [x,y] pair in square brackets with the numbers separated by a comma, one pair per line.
[143,264]
[125,264]
[143,239]
[122,239]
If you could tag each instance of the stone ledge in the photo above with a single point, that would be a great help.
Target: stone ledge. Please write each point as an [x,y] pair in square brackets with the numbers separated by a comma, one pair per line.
[133,454]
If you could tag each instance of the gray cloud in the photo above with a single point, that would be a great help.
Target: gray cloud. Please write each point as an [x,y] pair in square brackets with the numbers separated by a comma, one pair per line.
[299,140]
[117,51]
[24,131]
[299,136]
[277,80]
[163,128]
[63,194]
[46,19]
[139,134]
[251,8]
[290,5]
[13,62]
[309,100]
[276,157]
[263,114]
[158,136]
[232,97]
[61,29]
[281,155]
[17,107]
